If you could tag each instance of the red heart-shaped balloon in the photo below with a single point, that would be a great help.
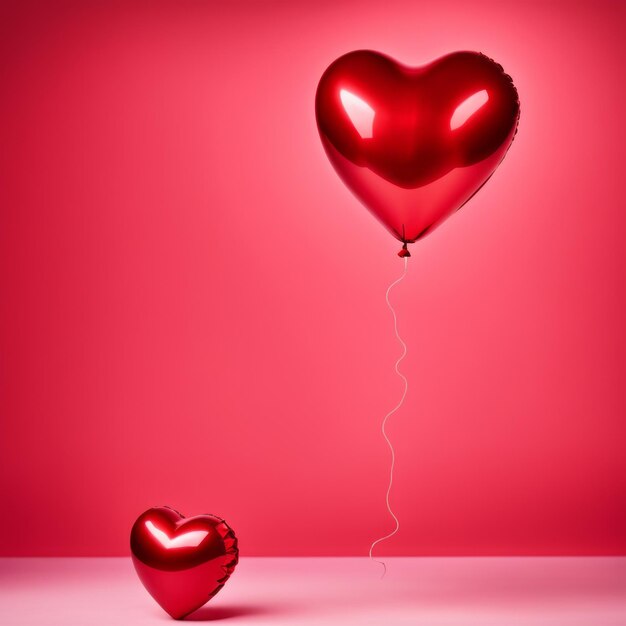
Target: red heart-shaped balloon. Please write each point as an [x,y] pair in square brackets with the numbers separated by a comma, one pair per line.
[415,144]
[182,562]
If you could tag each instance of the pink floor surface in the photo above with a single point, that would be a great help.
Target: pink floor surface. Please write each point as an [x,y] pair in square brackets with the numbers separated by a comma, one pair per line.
[589,591]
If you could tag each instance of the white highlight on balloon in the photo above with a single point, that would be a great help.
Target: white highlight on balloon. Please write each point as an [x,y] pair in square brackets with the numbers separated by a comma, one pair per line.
[467,108]
[384,423]
[360,113]
[187,540]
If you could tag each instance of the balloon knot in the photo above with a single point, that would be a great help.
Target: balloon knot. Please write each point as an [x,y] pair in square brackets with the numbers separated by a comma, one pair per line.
[404,252]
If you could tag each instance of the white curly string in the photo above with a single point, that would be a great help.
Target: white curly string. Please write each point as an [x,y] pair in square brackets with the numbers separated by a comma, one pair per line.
[384,423]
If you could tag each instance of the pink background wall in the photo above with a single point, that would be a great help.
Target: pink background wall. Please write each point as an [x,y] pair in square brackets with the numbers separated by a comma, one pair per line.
[192,305]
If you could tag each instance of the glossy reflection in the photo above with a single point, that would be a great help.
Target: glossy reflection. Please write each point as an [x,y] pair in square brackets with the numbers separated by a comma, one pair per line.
[414,144]
[190,539]
[467,108]
[182,562]
[360,113]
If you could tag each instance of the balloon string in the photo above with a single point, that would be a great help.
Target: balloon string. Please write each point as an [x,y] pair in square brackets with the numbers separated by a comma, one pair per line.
[384,423]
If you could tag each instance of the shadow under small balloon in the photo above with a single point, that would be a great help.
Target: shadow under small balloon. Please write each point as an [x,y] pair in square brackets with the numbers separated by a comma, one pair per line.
[214,613]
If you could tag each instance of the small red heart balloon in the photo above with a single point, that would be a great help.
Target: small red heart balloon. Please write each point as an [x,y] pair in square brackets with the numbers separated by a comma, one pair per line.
[415,144]
[182,562]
